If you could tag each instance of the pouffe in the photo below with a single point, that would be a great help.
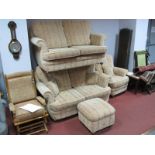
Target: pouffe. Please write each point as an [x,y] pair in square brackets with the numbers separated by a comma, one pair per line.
[96,114]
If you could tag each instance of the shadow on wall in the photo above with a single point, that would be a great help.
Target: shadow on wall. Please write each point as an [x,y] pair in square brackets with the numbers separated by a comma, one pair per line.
[2,81]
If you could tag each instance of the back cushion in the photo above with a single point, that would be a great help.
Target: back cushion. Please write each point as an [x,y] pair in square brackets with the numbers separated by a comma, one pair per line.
[21,89]
[78,76]
[77,32]
[51,31]
[62,79]
[108,70]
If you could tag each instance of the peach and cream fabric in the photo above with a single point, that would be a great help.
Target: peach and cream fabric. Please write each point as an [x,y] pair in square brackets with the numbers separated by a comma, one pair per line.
[78,85]
[62,79]
[77,32]
[77,76]
[91,91]
[66,99]
[61,53]
[21,87]
[118,81]
[96,114]
[97,39]
[54,41]
[51,31]
[91,49]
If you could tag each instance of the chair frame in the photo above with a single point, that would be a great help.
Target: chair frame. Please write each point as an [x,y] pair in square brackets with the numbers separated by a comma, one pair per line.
[30,126]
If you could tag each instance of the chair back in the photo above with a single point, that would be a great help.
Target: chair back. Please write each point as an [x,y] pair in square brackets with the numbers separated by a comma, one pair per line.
[107,60]
[20,87]
[141,58]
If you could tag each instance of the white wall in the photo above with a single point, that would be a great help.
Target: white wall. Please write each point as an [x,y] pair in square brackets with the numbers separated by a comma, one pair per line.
[141,34]
[110,28]
[10,65]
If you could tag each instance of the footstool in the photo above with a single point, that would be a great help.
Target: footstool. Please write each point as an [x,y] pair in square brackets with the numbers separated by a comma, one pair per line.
[96,114]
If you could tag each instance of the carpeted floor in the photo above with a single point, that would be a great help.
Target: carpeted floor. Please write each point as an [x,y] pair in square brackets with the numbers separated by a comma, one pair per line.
[135,114]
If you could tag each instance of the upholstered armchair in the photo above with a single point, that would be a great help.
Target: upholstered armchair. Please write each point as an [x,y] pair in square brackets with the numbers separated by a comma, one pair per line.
[63,90]
[21,91]
[118,81]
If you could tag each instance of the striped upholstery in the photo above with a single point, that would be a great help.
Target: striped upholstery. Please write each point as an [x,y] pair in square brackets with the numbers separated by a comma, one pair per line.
[66,99]
[96,114]
[91,91]
[91,49]
[61,53]
[118,81]
[48,67]
[75,79]
[77,32]
[57,115]
[51,31]
[62,79]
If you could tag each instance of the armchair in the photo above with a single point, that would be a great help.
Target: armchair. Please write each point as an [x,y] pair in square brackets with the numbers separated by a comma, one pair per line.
[118,81]
[21,91]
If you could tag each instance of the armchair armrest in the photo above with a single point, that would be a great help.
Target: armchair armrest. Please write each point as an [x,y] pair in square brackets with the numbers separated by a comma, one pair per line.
[12,108]
[120,71]
[40,43]
[97,39]
[103,80]
[41,100]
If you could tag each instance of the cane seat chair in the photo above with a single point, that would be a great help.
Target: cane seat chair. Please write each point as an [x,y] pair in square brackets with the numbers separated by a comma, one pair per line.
[21,91]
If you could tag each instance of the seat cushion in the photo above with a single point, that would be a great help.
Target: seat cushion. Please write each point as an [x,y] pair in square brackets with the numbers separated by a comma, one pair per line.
[91,91]
[77,32]
[66,99]
[95,109]
[61,53]
[24,115]
[91,49]
[118,81]
[49,30]
[62,79]
[77,76]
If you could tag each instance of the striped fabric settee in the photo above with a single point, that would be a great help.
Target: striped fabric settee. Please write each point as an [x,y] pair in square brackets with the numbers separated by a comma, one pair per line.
[65,44]
[64,89]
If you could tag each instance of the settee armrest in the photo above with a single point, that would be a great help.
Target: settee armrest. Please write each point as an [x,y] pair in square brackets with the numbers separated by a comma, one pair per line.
[97,39]
[41,100]
[120,71]
[40,43]
[12,108]
[44,90]
[103,80]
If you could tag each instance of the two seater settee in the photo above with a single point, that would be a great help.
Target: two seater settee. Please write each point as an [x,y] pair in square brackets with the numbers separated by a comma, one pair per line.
[64,89]
[64,44]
